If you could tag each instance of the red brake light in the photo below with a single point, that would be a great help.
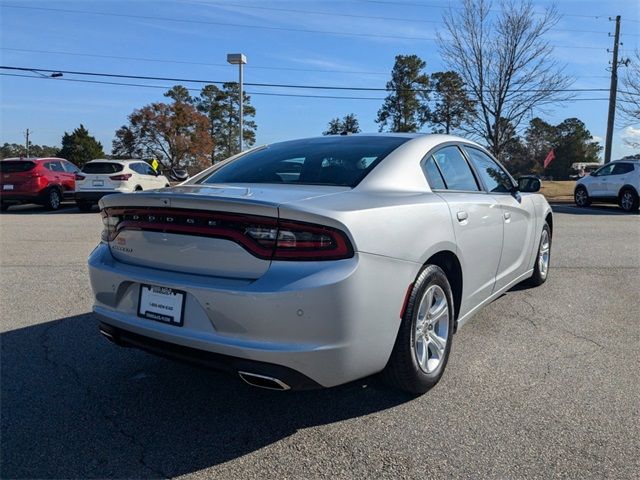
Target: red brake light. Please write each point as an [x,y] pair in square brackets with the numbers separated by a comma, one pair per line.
[80,177]
[263,237]
[121,178]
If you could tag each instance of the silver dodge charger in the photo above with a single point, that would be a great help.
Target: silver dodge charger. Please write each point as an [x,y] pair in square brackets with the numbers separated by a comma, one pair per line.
[315,262]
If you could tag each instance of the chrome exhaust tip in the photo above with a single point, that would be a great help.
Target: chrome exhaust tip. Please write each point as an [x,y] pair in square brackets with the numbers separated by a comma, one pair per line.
[263,381]
[108,335]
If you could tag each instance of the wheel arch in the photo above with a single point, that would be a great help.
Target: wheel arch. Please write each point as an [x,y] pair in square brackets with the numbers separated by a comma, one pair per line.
[627,186]
[450,264]
[549,219]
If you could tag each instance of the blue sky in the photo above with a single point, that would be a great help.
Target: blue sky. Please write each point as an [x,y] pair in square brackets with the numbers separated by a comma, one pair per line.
[344,49]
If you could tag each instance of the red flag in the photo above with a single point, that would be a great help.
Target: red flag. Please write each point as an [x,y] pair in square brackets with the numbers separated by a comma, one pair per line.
[550,157]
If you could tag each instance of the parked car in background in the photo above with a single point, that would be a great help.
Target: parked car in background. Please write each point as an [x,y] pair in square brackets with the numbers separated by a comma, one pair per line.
[45,181]
[315,262]
[103,177]
[616,182]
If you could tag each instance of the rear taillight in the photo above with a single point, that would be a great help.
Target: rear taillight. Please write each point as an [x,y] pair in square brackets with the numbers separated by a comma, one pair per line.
[122,177]
[80,177]
[264,237]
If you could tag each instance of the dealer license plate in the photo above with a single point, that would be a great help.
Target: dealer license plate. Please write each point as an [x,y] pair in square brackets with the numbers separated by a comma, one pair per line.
[7,187]
[161,304]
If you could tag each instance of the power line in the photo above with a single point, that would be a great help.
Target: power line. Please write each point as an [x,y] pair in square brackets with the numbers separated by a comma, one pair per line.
[167,87]
[271,85]
[372,17]
[226,65]
[446,7]
[243,25]
[185,62]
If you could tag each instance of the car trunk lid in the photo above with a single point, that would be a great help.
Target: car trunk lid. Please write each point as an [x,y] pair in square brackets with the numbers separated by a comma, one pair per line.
[219,230]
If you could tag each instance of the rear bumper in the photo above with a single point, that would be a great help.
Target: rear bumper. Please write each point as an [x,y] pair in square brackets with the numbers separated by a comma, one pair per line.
[331,322]
[20,197]
[93,196]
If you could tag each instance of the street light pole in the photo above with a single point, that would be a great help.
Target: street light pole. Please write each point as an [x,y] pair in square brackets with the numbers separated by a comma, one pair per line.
[239,59]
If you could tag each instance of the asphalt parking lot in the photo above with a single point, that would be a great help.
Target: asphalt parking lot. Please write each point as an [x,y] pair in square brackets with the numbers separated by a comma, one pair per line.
[542,383]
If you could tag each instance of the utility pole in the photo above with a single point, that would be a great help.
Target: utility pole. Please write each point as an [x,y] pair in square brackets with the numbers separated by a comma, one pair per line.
[613,91]
[26,134]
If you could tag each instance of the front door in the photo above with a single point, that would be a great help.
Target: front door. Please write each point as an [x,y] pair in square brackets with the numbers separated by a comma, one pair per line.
[518,217]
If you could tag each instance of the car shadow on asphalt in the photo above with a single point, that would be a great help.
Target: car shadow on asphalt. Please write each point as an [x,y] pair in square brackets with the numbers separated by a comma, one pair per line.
[591,210]
[76,406]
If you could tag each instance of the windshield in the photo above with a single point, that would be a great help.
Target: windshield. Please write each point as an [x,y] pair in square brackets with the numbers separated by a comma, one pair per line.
[102,167]
[332,160]
[16,166]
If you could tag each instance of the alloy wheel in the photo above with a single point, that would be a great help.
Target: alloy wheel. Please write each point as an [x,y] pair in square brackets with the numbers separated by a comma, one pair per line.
[431,329]
[626,202]
[544,254]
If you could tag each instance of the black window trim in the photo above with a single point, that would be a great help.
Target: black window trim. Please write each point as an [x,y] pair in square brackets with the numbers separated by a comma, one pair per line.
[484,186]
[464,156]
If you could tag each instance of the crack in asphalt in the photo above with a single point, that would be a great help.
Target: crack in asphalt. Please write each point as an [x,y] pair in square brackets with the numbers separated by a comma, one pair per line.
[106,411]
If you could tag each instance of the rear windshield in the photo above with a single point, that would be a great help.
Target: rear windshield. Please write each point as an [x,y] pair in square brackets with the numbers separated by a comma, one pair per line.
[332,160]
[102,167]
[16,166]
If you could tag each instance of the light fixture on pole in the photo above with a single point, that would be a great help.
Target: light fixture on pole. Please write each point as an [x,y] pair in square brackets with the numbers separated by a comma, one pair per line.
[239,59]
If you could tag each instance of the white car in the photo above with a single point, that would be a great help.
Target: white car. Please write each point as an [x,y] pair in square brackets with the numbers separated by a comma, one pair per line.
[102,177]
[616,182]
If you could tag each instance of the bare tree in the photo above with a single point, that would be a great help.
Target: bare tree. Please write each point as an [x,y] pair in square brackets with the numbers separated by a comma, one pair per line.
[505,63]
[629,94]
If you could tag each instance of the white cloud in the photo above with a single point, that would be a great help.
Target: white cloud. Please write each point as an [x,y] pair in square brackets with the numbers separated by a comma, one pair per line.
[631,137]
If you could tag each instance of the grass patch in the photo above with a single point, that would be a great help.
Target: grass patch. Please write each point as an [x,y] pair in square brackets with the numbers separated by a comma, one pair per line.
[558,190]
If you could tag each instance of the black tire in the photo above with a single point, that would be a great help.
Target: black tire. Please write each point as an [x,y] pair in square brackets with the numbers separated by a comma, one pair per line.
[4,206]
[403,370]
[628,200]
[581,197]
[52,199]
[539,275]
[84,206]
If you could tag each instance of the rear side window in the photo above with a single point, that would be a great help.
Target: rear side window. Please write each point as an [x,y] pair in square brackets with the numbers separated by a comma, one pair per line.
[622,168]
[433,175]
[333,160]
[70,167]
[455,170]
[493,176]
[144,169]
[54,166]
[17,166]
[102,167]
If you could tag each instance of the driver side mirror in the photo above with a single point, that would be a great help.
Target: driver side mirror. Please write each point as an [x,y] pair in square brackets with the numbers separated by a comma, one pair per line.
[529,184]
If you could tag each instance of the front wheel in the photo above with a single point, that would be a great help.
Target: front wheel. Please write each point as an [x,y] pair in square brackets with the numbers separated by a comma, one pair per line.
[541,268]
[422,346]
[53,199]
[581,197]
[628,200]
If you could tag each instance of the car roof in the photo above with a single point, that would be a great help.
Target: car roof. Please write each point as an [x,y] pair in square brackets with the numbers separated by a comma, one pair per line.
[632,160]
[114,160]
[32,159]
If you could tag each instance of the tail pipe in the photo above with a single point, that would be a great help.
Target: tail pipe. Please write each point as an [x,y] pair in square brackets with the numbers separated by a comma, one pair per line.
[263,381]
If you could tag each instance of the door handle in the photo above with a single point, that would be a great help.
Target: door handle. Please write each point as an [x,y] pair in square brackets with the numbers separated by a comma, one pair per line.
[462,216]
[507,216]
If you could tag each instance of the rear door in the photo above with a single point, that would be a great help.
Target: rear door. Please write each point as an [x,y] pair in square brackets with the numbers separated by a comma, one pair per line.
[620,175]
[477,221]
[148,176]
[518,215]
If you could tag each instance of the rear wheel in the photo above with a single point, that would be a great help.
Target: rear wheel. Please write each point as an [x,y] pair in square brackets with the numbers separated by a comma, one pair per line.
[422,347]
[581,197]
[4,207]
[53,199]
[628,200]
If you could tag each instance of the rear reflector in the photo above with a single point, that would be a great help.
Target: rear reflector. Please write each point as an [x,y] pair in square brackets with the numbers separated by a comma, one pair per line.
[121,178]
[264,237]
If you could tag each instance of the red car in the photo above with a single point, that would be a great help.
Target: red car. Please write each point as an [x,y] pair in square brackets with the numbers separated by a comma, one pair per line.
[46,181]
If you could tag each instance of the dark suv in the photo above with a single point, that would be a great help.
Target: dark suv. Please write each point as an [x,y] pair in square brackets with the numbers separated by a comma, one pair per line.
[46,181]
